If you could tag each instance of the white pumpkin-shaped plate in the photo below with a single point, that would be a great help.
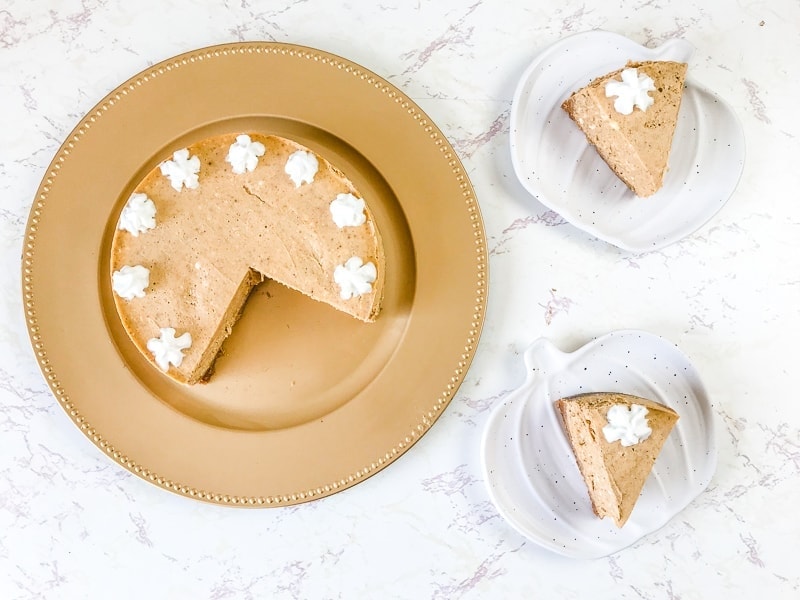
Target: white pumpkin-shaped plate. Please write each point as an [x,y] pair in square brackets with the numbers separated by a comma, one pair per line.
[555,163]
[530,469]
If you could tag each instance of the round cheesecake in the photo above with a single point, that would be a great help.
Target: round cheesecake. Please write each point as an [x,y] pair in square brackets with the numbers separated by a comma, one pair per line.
[218,217]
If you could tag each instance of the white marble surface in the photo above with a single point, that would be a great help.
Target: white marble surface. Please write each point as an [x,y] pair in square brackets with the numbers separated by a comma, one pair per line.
[75,525]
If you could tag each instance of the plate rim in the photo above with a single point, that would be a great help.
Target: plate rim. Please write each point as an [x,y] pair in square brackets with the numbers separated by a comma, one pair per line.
[439,399]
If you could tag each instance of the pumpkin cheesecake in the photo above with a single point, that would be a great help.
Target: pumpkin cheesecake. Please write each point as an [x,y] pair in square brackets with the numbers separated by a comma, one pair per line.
[616,439]
[218,217]
[629,116]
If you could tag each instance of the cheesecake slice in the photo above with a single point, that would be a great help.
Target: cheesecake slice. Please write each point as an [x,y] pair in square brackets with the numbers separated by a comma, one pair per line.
[629,116]
[616,439]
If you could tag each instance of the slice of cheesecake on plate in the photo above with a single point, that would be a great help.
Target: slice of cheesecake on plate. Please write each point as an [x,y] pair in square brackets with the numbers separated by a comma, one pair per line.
[616,439]
[629,116]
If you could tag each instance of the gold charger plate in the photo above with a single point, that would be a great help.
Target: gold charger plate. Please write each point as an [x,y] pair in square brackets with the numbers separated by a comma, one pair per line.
[304,401]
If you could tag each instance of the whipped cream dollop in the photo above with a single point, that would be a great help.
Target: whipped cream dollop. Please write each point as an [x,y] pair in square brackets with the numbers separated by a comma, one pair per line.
[631,91]
[348,211]
[628,426]
[354,277]
[182,170]
[244,153]
[138,215]
[129,282]
[301,166]
[168,349]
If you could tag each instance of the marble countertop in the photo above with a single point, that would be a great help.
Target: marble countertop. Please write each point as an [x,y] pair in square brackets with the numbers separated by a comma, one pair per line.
[76,525]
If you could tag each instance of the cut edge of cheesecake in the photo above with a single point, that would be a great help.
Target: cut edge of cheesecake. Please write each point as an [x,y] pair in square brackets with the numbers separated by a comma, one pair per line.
[614,474]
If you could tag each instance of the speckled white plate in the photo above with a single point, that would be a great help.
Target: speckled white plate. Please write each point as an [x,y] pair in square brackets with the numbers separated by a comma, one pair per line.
[530,470]
[555,163]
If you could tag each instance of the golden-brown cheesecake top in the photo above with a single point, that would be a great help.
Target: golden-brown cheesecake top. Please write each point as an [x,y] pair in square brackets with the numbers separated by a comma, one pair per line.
[212,242]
